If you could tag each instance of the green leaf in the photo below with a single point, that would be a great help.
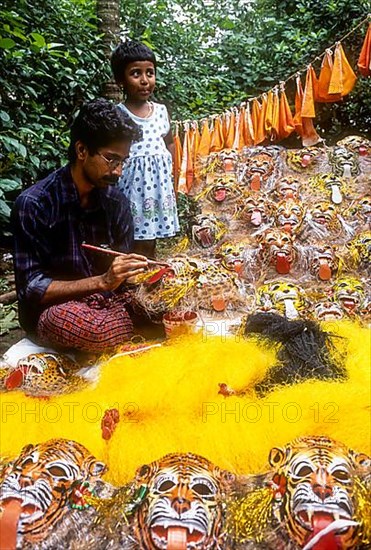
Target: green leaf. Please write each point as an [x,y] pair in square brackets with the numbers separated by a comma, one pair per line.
[15,145]
[4,116]
[9,185]
[4,209]
[7,43]
[39,40]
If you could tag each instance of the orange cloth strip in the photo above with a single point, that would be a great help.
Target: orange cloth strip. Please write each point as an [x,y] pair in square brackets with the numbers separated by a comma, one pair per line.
[343,78]
[364,60]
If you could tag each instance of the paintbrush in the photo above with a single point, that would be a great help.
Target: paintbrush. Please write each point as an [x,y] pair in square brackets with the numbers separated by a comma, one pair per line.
[116,253]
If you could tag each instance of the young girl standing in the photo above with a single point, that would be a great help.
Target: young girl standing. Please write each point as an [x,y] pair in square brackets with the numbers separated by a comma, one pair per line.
[147,177]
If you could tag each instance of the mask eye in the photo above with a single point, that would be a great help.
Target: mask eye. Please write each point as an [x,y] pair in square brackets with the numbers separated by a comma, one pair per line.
[165,484]
[341,475]
[304,471]
[204,488]
[61,471]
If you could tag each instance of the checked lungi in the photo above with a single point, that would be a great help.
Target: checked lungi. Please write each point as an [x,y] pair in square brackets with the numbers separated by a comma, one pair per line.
[94,324]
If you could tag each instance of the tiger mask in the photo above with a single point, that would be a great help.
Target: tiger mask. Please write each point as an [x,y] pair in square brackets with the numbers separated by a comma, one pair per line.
[276,248]
[315,493]
[46,480]
[344,162]
[182,508]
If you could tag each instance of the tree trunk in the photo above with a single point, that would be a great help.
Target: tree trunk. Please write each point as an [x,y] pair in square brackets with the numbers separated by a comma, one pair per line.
[108,13]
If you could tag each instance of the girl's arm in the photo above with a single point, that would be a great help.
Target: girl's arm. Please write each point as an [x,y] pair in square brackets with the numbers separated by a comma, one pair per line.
[169,142]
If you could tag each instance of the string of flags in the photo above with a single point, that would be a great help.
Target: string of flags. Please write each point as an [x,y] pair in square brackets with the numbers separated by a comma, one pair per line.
[269,118]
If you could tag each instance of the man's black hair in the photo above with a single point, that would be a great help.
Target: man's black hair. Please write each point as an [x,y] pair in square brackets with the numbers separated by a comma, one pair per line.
[100,123]
[128,52]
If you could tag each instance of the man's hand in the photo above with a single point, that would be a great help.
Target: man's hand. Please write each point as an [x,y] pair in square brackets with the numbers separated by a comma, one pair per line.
[123,267]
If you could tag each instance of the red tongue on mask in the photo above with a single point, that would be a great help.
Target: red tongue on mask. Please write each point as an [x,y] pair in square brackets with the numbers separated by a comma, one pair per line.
[220,194]
[282,264]
[305,160]
[320,521]
[9,523]
[325,272]
[255,182]
[177,538]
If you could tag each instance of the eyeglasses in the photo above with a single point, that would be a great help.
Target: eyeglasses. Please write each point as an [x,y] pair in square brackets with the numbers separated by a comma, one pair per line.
[113,163]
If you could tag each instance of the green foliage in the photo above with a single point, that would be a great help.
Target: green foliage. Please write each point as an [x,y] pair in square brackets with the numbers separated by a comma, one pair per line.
[51,58]
[8,318]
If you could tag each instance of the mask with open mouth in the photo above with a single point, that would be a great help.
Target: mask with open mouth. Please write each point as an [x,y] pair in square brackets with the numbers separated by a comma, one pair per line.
[307,160]
[323,262]
[325,214]
[334,187]
[221,193]
[38,489]
[287,187]
[277,249]
[290,216]
[258,169]
[207,230]
[183,508]
[357,144]
[328,310]
[232,256]
[283,297]
[361,209]
[254,210]
[314,493]
[344,163]
[349,292]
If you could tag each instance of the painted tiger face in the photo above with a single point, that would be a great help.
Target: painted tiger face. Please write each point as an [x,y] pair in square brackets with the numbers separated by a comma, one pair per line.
[323,262]
[283,297]
[222,191]
[183,504]
[277,249]
[287,188]
[344,162]
[313,487]
[229,160]
[362,209]
[325,214]
[359,145]
[232,256]
[254,210]
[46,479]
[360,249]
[216,288]
[207,230]
[290,215]
[259,167]
[44,374]
[349,292]
[305,160]
[328,310]
[333,186]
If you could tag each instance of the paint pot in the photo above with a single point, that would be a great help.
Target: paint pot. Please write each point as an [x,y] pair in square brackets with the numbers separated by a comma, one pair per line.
[177,323]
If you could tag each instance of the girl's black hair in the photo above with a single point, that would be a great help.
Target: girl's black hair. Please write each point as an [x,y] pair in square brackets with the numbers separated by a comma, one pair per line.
[128,52]
[100,123]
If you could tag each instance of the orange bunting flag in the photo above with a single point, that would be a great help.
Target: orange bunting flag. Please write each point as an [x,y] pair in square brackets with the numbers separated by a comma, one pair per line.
[231,128]
[255,116]
[303,125]
[177,157]
[249,128]
[241,128]
[286,122]
[275,130]
[323,95]
[205,140]
[364,61]
[260,133]
[343,78]
[268,114]
[195,140]
[310,92]
[217,139]
[186,170]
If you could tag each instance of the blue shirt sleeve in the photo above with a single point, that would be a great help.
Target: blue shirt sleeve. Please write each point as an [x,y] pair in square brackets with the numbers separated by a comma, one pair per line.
[30,247]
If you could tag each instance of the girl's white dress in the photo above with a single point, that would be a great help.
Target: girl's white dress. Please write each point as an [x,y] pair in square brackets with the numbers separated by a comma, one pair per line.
[147,178]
